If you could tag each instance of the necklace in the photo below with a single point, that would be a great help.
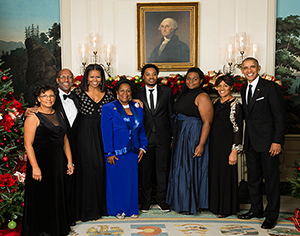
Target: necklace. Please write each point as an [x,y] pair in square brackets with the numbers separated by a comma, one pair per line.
[126,106]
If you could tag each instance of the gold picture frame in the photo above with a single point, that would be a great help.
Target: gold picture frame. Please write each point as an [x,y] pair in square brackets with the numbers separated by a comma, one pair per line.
[183,52]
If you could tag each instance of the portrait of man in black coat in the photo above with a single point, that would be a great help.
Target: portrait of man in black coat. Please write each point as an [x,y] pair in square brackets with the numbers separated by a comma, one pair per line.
[170,48]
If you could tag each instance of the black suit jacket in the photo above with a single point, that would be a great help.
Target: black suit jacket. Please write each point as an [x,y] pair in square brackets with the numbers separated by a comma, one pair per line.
[71,131]
[162,115]
[265,120]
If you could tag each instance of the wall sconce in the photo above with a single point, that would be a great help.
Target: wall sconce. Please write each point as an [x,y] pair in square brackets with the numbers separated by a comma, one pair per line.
[93,52]
[241,48]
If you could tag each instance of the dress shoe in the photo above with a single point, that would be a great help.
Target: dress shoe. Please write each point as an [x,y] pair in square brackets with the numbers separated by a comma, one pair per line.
[164,207]
[145,207]
[249,215]
[268,224]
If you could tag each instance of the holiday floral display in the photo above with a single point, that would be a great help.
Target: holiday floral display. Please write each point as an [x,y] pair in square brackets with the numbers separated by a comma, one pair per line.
[176,82]
[12,155]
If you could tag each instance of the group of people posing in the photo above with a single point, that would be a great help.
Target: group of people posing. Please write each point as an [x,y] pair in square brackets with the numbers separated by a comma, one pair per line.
[88,149]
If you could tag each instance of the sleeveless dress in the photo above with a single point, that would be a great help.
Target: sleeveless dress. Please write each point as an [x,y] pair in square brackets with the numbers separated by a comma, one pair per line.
[45,209]
[188,178]
[90,200]
[226,134]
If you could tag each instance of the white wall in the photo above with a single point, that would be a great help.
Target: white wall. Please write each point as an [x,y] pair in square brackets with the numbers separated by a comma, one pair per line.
[219,20]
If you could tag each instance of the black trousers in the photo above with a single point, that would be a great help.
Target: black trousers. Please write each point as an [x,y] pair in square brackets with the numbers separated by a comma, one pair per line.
[261,165]
[157,157]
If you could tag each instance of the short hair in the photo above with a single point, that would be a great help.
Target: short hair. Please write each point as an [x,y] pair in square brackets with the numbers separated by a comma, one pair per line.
[173,23]
[42,89]
[226,78]
[65,69]
[84,82]
[123,81]
[251,59]
[149,66]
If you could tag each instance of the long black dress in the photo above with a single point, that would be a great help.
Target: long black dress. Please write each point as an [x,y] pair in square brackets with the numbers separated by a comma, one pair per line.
[225,135]
[90,200]
[45,208]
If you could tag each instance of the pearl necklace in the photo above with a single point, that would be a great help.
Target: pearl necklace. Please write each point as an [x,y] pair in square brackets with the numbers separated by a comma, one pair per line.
[126,106]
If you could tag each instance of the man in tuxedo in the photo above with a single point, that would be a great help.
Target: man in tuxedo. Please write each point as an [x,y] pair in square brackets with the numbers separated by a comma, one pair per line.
[158,109]
[67,103]
[265,116]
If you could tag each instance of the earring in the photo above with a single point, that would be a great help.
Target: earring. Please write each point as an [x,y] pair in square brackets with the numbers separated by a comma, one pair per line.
[88,83]
[118,96]
[130,98]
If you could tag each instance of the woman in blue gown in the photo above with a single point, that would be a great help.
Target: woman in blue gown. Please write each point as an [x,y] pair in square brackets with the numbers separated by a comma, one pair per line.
[125,143]
[188,178]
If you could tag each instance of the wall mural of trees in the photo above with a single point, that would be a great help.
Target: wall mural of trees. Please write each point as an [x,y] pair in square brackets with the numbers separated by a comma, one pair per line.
[36,64]
[287,67]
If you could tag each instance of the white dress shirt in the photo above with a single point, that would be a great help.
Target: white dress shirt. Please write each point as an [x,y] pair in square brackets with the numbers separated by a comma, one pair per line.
[69,106]
[154,92]
[254,84]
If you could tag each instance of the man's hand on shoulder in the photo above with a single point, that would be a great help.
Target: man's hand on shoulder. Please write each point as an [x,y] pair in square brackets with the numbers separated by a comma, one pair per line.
[31,111]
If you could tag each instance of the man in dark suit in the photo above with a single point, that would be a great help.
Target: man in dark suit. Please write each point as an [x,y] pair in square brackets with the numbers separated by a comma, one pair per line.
[265,116]
[67,103]
[158,109]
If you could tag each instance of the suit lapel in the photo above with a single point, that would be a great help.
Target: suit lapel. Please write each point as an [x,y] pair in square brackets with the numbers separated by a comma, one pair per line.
[256,94]
[159,95]
[144,99]
[59,107]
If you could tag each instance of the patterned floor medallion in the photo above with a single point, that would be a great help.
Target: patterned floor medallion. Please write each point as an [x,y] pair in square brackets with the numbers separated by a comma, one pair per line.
[238,230]
[192,229]
[283,231]
[100,230]
[153,229]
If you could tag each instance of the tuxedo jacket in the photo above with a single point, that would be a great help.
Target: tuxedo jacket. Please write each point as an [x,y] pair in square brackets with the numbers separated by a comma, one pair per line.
[115,133]
[265,118]
[59,107]
[161,118]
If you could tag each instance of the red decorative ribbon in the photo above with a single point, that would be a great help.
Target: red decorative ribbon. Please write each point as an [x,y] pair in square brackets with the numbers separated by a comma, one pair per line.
[295,218]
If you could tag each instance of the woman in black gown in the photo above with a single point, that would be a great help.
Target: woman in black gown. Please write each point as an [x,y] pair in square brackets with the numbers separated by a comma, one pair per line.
[225,143]
[46,142]
[90,200]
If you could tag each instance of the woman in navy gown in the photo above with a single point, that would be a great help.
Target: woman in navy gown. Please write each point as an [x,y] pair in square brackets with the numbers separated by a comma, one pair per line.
[50,158]
[225,143]
[90,201]
[188,178]
[125,143]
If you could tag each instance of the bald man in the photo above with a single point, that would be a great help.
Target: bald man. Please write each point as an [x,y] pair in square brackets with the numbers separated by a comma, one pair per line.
[170,48]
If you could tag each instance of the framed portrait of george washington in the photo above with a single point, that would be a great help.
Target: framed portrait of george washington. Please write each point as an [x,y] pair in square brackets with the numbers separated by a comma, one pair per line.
[167,35]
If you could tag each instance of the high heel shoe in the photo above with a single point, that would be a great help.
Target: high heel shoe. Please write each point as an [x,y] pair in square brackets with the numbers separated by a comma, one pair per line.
[121,216]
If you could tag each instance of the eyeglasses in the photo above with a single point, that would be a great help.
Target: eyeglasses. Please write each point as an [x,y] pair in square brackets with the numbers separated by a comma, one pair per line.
[46,96]
[64,77]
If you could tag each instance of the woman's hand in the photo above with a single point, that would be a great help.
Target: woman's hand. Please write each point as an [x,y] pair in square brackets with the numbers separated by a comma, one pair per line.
[37,174]
[198,151]
[71,168]
[141,154]
[232,159]
[111,159]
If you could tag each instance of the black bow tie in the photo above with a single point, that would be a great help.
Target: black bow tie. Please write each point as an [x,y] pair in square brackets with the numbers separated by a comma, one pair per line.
[65,96]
